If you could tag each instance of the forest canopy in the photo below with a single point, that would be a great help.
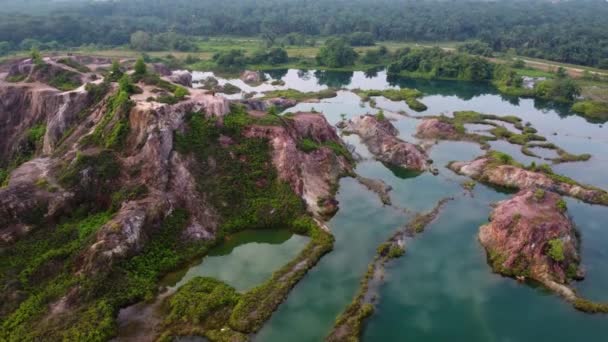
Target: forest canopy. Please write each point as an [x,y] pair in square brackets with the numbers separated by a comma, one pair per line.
[566,31]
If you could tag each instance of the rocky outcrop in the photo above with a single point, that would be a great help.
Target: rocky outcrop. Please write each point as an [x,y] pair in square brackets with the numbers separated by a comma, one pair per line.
[264,105]
[24,105]
[488,170]
[182,77]
[436,129]
[161,69]
[380,136]
[252,77]
[530,236]
[314,175]
[281,102]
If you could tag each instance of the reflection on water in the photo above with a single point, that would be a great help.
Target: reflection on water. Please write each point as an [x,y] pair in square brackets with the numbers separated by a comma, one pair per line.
[443,288]
[245,260]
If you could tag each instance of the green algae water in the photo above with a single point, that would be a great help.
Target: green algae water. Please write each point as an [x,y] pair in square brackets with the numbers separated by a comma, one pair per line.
[442,288]
[245,260]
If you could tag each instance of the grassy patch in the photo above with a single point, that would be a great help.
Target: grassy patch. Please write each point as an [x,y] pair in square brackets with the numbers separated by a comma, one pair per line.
[595,111]
[308,145]
[74,65]
[61,79]
[589,306]
[301,96]
[410,96]
[16,78]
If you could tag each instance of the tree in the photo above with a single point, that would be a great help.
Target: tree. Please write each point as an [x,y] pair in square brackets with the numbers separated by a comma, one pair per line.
[519,63]
[561,72]
[5,48]
[141,41]
[476,48]
[36,57]
[115,71]
[232,59]
[277,56]
[140,67]
[124,84]
[361,39]
[336,53]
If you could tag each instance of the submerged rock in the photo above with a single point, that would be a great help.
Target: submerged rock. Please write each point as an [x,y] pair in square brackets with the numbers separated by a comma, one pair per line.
[530,236]
[380,136]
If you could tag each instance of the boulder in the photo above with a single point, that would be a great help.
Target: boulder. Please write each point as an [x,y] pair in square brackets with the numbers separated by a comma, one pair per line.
[182,77]
[252,77]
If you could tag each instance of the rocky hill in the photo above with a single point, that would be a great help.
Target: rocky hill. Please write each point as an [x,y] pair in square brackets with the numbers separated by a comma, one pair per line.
[113,177]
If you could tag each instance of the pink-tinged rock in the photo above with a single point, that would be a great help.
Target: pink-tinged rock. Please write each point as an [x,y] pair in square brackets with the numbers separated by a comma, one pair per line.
[520,235]
[436,129]
[314,175]
[486,170]
[380,136]
[251,77]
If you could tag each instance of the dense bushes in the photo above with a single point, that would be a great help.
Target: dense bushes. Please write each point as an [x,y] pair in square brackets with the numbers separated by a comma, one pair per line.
[476,48]
[336,53]
[436,63]
[271,56]
[560,89]
[232,59]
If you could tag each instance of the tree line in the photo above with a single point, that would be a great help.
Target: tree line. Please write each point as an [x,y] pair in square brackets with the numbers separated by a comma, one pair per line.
[566,31]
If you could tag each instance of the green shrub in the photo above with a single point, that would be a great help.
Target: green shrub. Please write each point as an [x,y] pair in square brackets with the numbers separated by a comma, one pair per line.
[539,195]
[308,145]
[556,250]
[180,93]
[562,206]
[201,297]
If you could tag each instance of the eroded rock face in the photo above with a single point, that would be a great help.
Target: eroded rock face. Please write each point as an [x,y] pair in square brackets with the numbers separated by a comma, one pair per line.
[531,236]
[314,175]
[486,170]
[182,77]
[436,129]
[23,105]
[380,136]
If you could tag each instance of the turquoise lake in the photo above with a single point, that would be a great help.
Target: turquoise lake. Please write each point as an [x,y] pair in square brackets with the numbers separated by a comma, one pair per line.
[442,289]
